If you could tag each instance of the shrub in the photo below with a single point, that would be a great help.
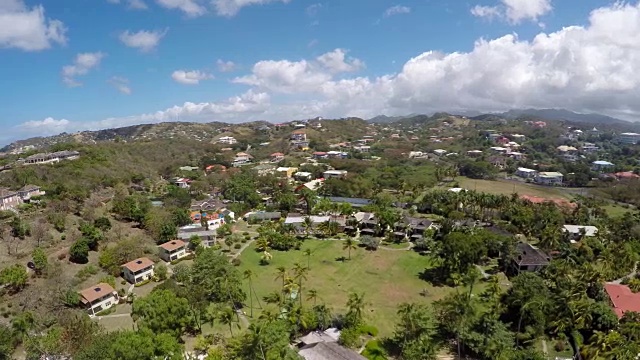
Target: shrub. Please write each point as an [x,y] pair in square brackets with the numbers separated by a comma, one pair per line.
[245,233]
[86,272]
[161,271]
[374,351]
[560,346]
[349,337]
[109,280]
[106,311]
[368,330]
[244,241]
[236,262]
[123,282]
[142,283]
[237,246]
[79,252]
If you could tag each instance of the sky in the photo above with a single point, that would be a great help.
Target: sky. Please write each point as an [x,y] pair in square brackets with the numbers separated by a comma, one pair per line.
[70,65]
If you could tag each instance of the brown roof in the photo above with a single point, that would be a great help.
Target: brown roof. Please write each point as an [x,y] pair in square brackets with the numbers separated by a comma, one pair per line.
[6,193]
[138,264]
[277,154]
[172,245]
[299,132]
[95,292]
[30,188]
[623,298]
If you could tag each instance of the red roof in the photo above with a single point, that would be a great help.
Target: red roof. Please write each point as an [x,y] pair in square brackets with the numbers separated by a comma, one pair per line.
[299,132]
[277,154]
[623,298]
[319,153]
[626,175]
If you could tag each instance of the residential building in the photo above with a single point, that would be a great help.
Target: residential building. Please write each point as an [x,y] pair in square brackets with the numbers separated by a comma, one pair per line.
[337,154]
[229,140]
[50,158]
[328,351]
[303,176]
[311,185]
[518,137]
[189,168]
[207,237]
[549,178]
[314,337]
[416,154]
[265,169]
[362,148]
[263,216]
[626,175]
[29,191]
[566,149]
[276,157]
[138,270]
[173,250]
[337,174]
[241,158]
[622,299]
[601,165]
[9,199]
[183,183]
[355,202]
[629,138]
[439,152]
[576,231]
[286,171]
[529,258]
[320,155]
[589,148]
[412,227]
[516,155]
[526,173]
[298,135]
[98,298]
[474,153]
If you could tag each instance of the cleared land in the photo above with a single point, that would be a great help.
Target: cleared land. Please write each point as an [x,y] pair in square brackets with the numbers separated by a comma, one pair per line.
[387,278]
[508,187]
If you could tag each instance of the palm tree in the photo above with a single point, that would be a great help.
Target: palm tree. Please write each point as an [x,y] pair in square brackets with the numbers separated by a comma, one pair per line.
[248,274]
[307,224]
[312,294]
[349,244]
[356,305]
[226,318]
[308,253]
[301,275]
[281,274]
[262,244]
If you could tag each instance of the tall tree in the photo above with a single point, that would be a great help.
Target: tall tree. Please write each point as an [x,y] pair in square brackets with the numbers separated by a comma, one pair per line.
[300,274]
[162,312]
[355,306]
[348,245]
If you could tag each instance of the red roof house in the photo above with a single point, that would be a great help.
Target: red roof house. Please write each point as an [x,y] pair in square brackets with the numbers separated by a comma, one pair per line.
[622,298]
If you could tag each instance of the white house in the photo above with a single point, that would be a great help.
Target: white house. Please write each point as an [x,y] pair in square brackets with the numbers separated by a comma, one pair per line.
[601,165]
[29,191]
[575,231]
[229,140]
[98,298]
[173,250]
[138,270]
[183,183]
[9,199]
[415,154]
[439,152]
[589,148]
[362,148]
[629,138]
[526,173]
[336,174]
[549,178]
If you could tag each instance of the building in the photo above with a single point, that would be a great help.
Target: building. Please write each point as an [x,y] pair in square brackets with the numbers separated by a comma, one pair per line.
[9,199]
[29,191]
[50,158]
[276,157]
[549,178]
[575,231]
[474,153]
[314,337]
[241,158]
[328,351]
[526,173]
[229,140]
[589,148]
[601,165]
[622,299]
[98,298]
[286,171]
[320,155]
[173,250]
[529,258]
[265,169]
[362,148]
[629,138]
[299,135]
[416,154]
[138,270]
[355,202]
[337,154]
[263,216]
[440,152]
[182,183]
[189,168]
[336,174]
[302,176]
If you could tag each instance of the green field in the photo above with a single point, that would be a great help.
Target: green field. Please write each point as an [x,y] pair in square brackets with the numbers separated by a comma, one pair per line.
[505,187]
[386,277]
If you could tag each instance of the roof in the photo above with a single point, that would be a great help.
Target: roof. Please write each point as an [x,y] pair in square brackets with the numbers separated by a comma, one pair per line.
[319,153]
[172,245]
[575,229]
[340,172]
[316,337]
[264,215]
[529,255]
[626,175]
[299,219]
[550,174]
[277,154]
[30,188]
[602,163]
[96,292]
[623,298]
[328,351]
[302,173]
[298,132]
[6,193]
[352,201]
[521,169]
[138,264]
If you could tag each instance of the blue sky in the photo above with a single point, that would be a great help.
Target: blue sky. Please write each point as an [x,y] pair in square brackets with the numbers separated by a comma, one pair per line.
[69,65]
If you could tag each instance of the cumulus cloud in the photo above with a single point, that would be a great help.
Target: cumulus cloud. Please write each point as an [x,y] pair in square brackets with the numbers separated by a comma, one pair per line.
[313,9]
[514,11]
[336,62]
[397,10]
[191,8]
[192,77]
[143,40]
[82,64]
[232,7]
[27,28]
[131,4]
[225,66]
[121,84]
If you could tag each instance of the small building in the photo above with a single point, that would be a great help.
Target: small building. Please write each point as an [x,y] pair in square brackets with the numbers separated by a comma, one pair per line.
[173,250]
[576,231]
[263,216]
[474,153]
[529,258]
[182,183]
[549,178]
[566,149]
[328,351]
[229,140]
[589,148]
[138,270]
[601,165]
[189,168]
[276,157]
[336,174]
[9,199]
[440,152]
[416,154]
[518,137]
[526,173]
[29,191]
[362,148]
[629,138]
[98,298]
[286,171]
[355,202]
[622,299]
[311,185]
[302,176]
[337,154]
[298,135]
[320,155]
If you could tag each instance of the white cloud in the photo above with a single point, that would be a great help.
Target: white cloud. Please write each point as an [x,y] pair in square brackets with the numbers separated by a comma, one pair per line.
[191,8]
[225,66]
[397,10]
[121,84]
[313,9]
[336,62]
[82,64]
[514,11]
[230,8]
[46,123]
[190,77]
[27,28]
[142,40]
[132,4]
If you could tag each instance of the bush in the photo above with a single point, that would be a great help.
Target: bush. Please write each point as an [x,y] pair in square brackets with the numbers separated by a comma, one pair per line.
[237,246]
[560,346]
[123,282]
[374,351]
[245,233]
[349,337]
[79,252]
[86,272]
[142,283]
[161,271]
[188,257]
[244,241]
[368,330]
[109,280]
[236,262]
[106,311]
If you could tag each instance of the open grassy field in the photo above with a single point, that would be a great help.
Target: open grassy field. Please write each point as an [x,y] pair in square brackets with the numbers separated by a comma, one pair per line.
[386,277]
[506,187]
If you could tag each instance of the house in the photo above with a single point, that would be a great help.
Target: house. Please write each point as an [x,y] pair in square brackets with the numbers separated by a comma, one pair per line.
[9,199]
[516,155]
[241,158]
[589,148]
[207,237]
[337,154]
[518,137]
[474,153]
[286,171]
[311,185]
[499,149]
[526,173]
[529,258]
[98,298]
[298,135]
[355,202]
[622,299]
[601,165]
[314,337]
[566,149]
[302,176]
[412,227]
[328,351]
[362,148]
[229,140]
[416,154]
[29,191]
[182,183]
[626,175]
[189,168]
[138,270]
[263,216]
[575,231]
[265,169]
[173,250]
[296,219]
[336,174]
[549,178]
[320,155]
[276,157]
[439,152]
[629,138]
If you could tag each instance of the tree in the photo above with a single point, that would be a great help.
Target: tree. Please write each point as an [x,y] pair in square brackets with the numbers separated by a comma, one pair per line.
[162,312]
[312,294]
[133,345]
[79,251]
[300,274]
[7,342]
[355,306]
[310,198]
[227,317]
[40,261]
[161,271]
[221,280]
[19,228]
[308,253]
[307,224]
[369,242]
[349,244]
[248,274]
[103,223]
[14,277]
[281,275]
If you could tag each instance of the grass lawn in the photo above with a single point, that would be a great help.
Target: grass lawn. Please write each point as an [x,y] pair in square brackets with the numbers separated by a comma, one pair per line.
[615,210]
[505,187]
[387,278]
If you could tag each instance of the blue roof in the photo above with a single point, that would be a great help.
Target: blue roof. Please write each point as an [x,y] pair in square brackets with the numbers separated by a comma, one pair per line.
[352,201]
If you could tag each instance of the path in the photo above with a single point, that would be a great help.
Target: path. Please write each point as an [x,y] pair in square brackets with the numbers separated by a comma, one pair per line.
[245,246]
[631,274]
[545,351]
[112,316]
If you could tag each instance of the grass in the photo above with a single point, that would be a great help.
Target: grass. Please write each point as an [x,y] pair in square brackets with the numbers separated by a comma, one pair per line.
[387,278]
[505,187]
[615,210]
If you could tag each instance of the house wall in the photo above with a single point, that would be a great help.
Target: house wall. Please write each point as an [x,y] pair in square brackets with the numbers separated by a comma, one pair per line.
[103,304]
[136,278]
[175,255]
[549,181]
[10,202]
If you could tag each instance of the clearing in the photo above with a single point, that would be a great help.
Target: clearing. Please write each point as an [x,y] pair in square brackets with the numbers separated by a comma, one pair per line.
[508,187]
